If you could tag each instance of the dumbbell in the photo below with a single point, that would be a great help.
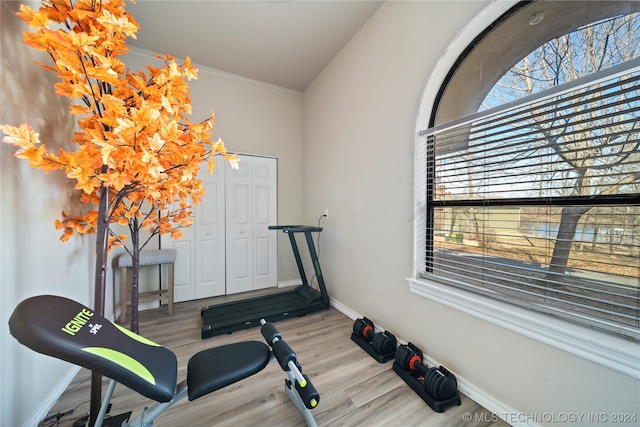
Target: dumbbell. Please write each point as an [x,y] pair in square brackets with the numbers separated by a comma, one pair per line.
[439,383]
[363,328]
[381,342]
[384,342]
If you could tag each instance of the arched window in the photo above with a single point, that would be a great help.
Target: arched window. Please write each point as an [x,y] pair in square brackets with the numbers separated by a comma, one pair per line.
[533,164]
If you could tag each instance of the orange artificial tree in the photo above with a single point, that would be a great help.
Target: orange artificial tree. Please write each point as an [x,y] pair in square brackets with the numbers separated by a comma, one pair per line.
[138,155]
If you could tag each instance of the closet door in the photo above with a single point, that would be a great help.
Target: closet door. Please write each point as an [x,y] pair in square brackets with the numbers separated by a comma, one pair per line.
[184,278]
[251,208]
[265,198]
[199,269]
[209,226]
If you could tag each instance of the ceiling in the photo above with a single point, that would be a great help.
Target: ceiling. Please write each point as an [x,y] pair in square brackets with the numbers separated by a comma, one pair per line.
[286,43]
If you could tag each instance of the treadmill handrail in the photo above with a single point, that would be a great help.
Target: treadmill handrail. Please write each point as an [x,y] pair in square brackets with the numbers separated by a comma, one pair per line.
[295,228]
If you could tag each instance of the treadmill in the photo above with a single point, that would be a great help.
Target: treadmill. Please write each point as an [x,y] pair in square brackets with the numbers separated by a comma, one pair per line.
[228,317]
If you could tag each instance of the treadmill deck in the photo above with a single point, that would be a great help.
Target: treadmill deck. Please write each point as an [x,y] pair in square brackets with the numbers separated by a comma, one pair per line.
[236,315]
[223,318]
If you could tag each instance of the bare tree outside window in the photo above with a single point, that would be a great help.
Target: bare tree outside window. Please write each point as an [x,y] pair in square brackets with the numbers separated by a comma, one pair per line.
[598,147]
[536,197]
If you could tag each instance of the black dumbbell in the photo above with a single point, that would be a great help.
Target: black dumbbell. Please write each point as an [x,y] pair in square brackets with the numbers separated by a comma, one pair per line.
[384,342]
[409,358]
[439,383]
[381,342]
[363,328]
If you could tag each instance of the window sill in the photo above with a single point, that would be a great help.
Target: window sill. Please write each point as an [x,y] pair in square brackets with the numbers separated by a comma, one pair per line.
[604,349]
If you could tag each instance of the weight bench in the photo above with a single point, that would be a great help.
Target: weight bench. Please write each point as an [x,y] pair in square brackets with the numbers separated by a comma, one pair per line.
[67,330]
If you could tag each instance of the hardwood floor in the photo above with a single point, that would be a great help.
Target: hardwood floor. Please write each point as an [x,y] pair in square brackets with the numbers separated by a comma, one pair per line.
[355,390]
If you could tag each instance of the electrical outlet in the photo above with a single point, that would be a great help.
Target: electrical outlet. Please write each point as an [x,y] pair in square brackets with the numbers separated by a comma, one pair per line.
[326,213]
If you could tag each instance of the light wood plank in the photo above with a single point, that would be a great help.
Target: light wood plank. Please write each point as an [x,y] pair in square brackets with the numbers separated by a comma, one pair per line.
[354,389]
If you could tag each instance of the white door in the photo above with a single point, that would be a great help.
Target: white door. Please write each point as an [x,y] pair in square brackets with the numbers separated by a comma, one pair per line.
[199,270]
[251,208]
[229,248]
[209,227]
[265,198]
[183,274]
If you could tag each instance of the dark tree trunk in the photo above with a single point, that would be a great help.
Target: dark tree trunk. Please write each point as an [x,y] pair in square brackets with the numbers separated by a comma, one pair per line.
[102,234]
[564,240]
[135,264]
[596,230]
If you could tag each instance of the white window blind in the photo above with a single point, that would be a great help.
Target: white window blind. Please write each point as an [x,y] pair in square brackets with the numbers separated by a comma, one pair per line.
[538,202]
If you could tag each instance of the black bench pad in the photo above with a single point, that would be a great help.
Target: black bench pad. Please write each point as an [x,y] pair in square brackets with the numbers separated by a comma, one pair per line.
[70,331]
[218,367]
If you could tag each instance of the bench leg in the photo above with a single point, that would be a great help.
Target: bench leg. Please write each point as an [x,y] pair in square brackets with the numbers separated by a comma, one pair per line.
[124,291]
[170,289]
[125,297]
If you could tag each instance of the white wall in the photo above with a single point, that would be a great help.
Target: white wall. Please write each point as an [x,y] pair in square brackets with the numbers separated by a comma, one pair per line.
[32,258]
[360,129]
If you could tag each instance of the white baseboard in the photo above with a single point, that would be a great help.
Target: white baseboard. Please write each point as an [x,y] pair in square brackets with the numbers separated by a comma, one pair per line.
[45,406]
[288,283]
[496,407]
[344,309]
[487,401]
